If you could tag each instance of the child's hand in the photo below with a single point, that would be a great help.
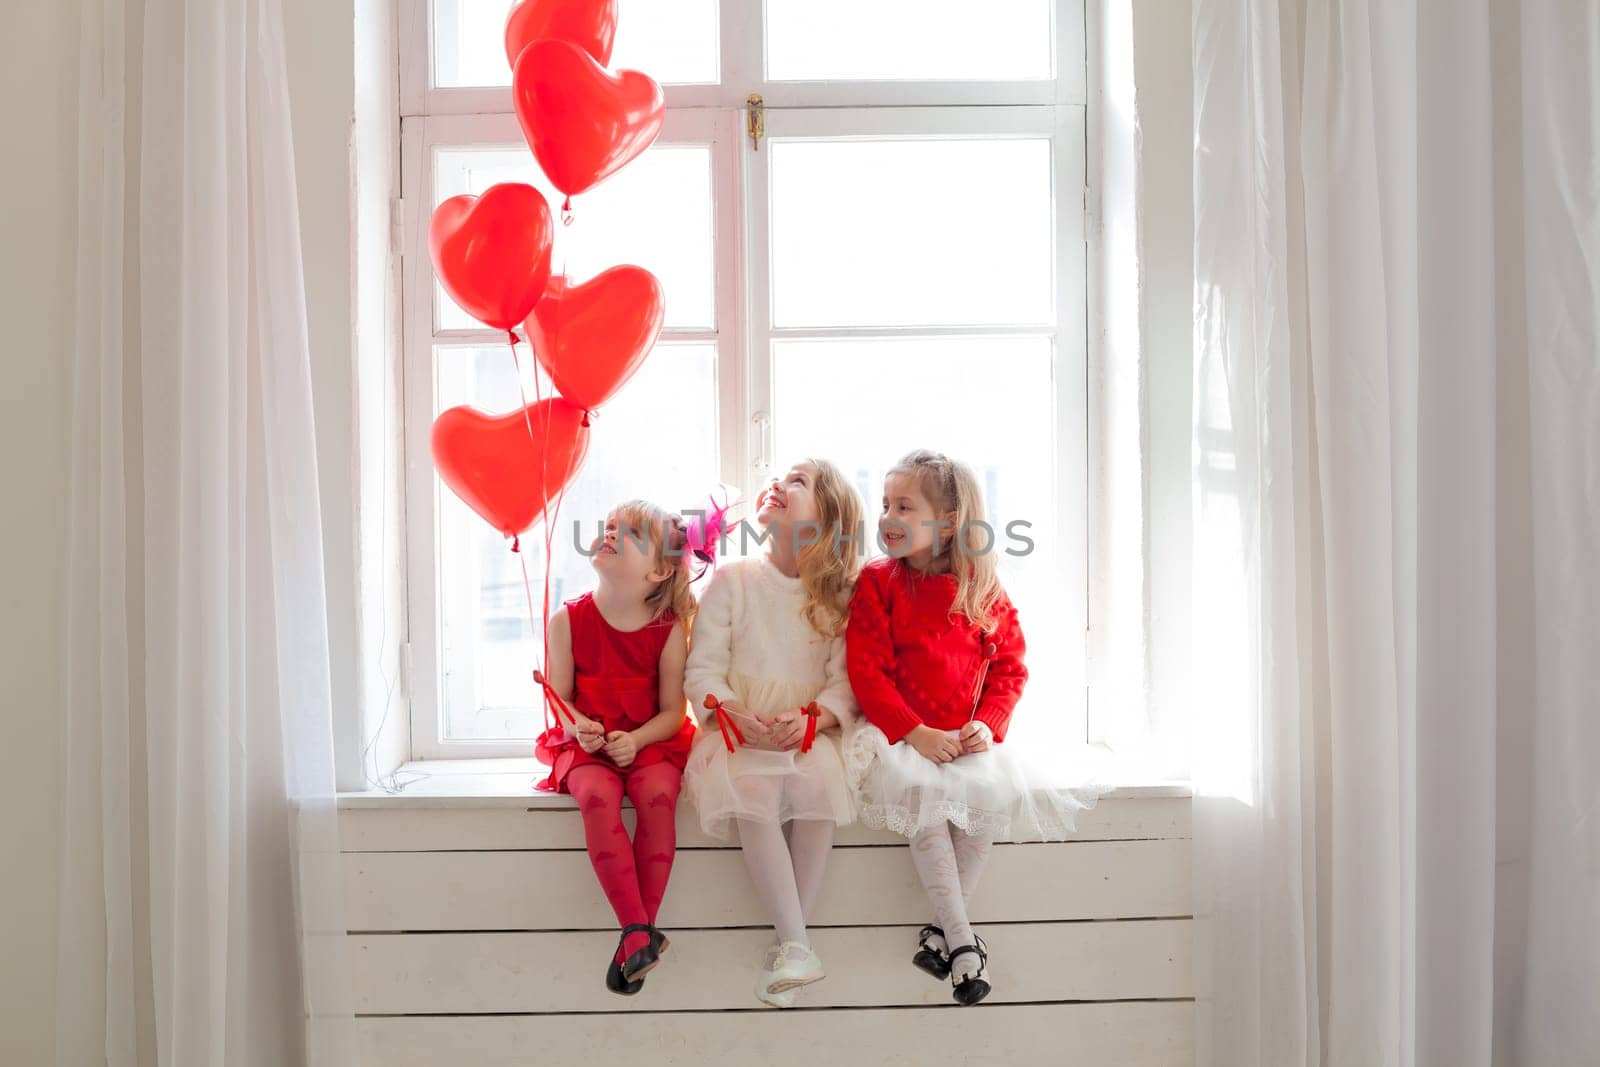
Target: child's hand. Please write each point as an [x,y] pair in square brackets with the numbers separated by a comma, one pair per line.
[937,746]
[787,729]
[753,729]
[590,735]
[621,747]
[975,737]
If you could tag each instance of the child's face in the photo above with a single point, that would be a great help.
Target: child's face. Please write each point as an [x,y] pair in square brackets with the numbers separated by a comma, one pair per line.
[625,556]
[788,501]
[906,523]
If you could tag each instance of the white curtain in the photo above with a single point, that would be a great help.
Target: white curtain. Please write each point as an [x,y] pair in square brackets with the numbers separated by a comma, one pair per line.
[1397,457]
[201,914]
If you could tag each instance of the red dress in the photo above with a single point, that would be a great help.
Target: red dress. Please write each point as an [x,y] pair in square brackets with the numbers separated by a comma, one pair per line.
[616,682]
[910,663]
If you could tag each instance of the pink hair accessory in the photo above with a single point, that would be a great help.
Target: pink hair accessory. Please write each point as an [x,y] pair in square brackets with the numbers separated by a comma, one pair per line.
[704,531]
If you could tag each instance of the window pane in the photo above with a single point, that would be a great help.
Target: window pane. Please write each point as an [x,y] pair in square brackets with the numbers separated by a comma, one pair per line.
[987,402]
[932,40]
[912,233]
[644,444]
[673,41]
[656,213]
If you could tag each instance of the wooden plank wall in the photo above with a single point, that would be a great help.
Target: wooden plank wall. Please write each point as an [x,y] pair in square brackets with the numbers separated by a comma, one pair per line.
[479,937]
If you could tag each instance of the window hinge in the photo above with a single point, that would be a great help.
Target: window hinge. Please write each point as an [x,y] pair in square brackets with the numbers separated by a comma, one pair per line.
[397,226]
[756,120]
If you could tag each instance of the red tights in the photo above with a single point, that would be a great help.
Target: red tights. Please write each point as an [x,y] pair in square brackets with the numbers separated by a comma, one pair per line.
[634,873]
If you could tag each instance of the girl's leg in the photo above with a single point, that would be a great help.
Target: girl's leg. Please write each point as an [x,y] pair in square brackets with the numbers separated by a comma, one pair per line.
[933,853]
[598,791]
[810,841]
[654,793]
[766,855]
[972,854]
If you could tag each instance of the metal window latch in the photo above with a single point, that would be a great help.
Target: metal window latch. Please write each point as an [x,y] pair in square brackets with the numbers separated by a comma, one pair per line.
[756,120]
[762,421]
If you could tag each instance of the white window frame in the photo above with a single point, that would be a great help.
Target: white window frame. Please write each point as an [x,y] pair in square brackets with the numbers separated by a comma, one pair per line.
[715,115]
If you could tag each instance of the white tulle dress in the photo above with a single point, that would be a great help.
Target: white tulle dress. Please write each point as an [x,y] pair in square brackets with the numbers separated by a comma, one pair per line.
[752,645]
[911,663]
[998,794]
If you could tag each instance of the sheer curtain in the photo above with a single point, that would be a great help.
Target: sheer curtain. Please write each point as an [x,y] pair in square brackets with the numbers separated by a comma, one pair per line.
[201,911]
[1397,456]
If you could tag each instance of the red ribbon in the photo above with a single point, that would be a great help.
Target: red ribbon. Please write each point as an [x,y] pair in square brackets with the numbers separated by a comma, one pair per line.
[725,722]
[553,699]
[812,711]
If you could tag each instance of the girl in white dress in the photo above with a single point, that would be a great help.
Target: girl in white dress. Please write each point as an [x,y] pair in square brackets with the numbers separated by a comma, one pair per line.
[768,651]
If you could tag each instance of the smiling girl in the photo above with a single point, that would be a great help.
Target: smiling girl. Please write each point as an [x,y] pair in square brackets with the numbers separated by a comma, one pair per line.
[769,651]
[936,661]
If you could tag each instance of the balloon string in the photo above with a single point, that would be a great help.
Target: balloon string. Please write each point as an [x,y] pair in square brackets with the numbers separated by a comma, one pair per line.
[533,438]
[523,393]
[538,676]
[544,477]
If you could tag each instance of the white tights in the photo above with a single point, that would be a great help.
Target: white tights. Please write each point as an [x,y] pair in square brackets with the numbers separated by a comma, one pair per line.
[787,873]
[949,862]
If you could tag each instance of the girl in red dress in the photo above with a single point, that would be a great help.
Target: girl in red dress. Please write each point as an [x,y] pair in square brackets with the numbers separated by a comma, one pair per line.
[616,659]
[936,660]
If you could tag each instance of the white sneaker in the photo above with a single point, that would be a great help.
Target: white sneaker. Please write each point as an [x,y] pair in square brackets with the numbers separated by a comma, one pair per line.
[794,965]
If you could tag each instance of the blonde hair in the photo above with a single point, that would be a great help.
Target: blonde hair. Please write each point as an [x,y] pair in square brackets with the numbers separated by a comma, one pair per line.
[828,566]
[968,549]
[661,532]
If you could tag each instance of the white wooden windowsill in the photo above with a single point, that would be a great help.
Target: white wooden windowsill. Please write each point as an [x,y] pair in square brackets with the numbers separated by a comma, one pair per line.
[495,783]
[454,884]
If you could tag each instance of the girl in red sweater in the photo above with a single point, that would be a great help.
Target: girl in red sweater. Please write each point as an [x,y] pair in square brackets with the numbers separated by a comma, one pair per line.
[935,656]
[616,659]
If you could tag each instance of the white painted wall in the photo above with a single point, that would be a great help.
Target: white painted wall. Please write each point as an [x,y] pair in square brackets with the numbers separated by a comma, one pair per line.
[1140,389]
[38,192]
[1164,91]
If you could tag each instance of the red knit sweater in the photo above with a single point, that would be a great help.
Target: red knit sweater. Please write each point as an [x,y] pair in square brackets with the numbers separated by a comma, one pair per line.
[911,663]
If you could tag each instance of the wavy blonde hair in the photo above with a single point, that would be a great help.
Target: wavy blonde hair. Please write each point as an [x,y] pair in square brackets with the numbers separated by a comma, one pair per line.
[828,566]
[967,551]
[661,532]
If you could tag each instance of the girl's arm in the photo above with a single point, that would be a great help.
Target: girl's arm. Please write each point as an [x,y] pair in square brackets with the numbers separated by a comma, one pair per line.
[869,659]
[836,703]
[560,673]
[711,651]
[666,723]
[1002,685]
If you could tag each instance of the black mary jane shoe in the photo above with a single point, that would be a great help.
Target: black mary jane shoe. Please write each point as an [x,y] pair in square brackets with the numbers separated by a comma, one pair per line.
[636,966]
[968,991]
[618,984]
[928,957]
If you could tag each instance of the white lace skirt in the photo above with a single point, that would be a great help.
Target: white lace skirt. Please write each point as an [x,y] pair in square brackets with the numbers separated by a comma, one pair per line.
[765,786]
[994,794]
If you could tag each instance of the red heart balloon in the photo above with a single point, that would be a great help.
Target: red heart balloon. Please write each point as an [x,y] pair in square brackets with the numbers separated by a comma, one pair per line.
[501,471]
[582,122]
[592,337]
[589,24]
[492,252]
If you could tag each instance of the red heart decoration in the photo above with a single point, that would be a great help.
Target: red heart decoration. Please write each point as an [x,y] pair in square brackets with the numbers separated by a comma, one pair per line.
[591,338]
[503,472]
[582,122]
[589,24]
[492,252]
